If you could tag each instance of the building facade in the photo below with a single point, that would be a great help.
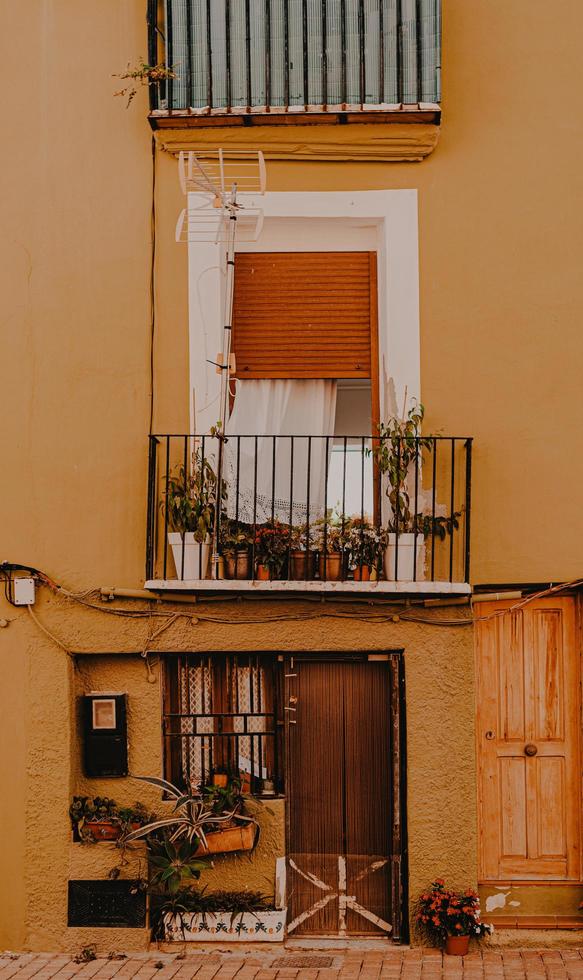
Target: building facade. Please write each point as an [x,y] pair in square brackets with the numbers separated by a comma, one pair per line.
[409,245]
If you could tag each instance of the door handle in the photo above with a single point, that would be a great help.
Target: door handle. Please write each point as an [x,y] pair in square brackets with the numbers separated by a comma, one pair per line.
[530,749]
[490,735]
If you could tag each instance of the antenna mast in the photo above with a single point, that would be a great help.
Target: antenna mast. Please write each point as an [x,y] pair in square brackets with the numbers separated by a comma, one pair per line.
[221,216]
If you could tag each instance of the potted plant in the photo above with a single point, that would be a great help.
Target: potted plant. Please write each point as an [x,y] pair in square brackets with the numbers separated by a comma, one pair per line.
[272,541]
[174,864]
[366,543]
[397,452]
[450,918]
[302,556]
[333,532]
[101,819]
[199,818]
[220,777]
[239,833]
[236,538]
[189,504]
[222,916]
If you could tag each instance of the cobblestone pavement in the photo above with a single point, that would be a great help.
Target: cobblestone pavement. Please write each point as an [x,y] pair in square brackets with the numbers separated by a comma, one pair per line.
[254,964]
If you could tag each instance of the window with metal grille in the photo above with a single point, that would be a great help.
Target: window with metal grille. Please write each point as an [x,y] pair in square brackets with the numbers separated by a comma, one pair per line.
[222,714]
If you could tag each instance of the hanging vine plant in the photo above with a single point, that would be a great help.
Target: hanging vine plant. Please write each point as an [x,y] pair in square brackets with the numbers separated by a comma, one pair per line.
[142,74]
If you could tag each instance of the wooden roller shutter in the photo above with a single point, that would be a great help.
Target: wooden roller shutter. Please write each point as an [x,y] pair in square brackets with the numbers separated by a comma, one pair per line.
[305,314]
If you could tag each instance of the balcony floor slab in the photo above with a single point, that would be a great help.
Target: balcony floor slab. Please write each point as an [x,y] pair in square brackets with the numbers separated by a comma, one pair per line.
[282,587]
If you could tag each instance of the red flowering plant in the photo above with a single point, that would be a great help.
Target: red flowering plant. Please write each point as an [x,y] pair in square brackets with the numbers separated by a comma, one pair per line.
[442,913]
[272,542]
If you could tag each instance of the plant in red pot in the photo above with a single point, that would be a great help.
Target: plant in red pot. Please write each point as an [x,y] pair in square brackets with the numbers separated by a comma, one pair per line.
[100,818]
[448,918]
[271,543]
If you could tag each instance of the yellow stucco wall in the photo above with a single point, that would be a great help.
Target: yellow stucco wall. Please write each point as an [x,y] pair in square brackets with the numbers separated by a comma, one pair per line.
[440,707]
[500,239]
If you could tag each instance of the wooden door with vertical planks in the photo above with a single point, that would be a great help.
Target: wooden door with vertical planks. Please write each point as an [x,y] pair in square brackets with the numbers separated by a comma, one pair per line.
[528,734]
[340,797]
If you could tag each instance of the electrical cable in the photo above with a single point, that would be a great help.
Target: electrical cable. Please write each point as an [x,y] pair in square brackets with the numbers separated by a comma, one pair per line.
[196,616]
[152,284]
[48,633]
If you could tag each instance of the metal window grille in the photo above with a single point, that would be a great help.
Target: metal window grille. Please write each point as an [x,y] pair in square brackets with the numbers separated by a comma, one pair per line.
[221,714]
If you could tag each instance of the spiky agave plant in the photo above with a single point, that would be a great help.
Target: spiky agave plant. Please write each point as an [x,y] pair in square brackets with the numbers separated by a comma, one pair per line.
[189,818]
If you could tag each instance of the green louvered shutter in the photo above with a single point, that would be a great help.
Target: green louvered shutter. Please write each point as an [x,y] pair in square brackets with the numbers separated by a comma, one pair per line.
[290,52]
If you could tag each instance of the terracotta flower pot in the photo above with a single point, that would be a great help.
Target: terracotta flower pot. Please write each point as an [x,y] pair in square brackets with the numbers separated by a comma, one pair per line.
[362,573]
[330,566]
[105,829]
[457,945]
[220,779]
[231,839]
[263,573]
[299,561]
[237,564]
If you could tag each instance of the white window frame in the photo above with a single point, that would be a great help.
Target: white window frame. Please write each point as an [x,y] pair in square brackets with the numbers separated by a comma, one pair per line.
[384,221]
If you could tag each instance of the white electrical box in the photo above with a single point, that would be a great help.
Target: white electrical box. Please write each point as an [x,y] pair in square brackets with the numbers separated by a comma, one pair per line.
[23,591]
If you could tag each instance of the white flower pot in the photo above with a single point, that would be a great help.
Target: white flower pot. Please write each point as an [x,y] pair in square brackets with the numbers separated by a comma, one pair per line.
[226,927]
[196,555]
[400,560]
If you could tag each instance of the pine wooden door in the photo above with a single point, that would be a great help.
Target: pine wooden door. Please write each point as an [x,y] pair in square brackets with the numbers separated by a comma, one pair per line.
[340,798]
[528,733]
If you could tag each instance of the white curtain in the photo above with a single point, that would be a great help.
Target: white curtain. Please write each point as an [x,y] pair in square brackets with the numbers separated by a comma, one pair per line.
[268,477]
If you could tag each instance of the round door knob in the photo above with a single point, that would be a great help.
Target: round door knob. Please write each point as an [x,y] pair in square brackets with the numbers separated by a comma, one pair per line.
[530,749]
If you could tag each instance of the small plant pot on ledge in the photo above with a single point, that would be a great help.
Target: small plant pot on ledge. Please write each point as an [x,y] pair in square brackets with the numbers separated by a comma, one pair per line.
[302,565]
[191,557]
[362,573]
[237,564]
[399,561]
[330,566]
[105,829]
[457,945]
[233,927]
[232,839]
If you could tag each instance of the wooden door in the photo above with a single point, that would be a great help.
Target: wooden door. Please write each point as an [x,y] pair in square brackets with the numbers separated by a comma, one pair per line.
[340,799]
[528,724]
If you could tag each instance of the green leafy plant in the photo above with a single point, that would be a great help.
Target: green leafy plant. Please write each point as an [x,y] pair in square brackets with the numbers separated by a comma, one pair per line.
[397,450]
[190,498]
[191,901]
[366,543]
[142,74]
[332,532]
[174,863]
[86,810]
[235,536]
[224,799]
[442,912]
[191,817]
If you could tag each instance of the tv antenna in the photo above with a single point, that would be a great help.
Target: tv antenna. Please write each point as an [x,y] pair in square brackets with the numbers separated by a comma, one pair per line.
[221,213]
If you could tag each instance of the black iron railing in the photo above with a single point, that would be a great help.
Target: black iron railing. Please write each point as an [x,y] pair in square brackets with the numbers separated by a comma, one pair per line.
[233,55]
[312,508]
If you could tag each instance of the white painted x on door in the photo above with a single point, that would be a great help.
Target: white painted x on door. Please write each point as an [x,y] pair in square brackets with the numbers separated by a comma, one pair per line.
[528,735]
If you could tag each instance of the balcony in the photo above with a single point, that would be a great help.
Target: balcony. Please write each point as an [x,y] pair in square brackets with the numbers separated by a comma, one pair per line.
[309,514]
[239,62]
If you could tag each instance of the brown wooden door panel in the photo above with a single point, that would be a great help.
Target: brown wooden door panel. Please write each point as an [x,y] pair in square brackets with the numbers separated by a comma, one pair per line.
[528,678]
[339,779]
[315,791]
[368,796]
